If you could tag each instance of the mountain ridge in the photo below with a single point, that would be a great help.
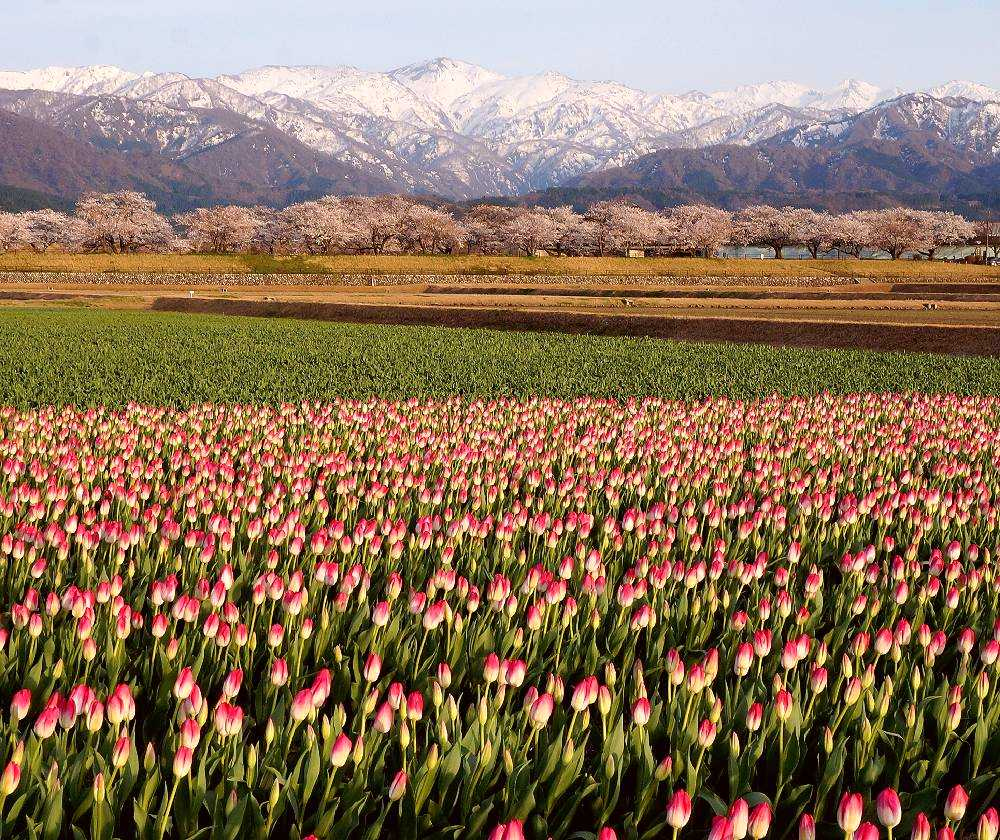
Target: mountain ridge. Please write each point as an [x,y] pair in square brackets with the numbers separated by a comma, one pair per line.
[441,127]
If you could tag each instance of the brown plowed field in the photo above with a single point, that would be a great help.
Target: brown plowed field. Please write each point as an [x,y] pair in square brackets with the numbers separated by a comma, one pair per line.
[941,317]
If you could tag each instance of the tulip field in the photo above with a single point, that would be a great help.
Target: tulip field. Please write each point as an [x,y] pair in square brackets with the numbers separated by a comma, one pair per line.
[580,619]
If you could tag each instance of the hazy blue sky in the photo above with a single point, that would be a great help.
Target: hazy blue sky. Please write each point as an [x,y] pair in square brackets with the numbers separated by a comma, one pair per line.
[656,44]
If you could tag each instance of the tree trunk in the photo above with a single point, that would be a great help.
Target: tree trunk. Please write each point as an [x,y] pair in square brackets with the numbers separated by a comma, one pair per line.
[778,249]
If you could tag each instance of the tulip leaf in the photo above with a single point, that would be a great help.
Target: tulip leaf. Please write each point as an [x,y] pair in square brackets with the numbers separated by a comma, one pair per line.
[718,807]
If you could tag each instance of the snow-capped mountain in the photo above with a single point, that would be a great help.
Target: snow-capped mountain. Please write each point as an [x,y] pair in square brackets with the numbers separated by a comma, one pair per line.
[443,126]
[970,128]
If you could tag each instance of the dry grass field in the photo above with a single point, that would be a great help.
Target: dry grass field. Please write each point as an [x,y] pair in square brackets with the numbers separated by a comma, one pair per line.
[503,266]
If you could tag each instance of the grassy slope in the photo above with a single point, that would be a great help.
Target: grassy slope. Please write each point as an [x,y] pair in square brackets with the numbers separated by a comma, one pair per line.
[98,357]
[551,266]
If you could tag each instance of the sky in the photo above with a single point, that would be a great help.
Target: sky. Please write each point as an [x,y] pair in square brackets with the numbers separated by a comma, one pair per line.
[656,45]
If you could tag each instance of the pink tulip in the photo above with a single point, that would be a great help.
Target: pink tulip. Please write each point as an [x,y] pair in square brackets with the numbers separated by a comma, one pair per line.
[184,684]
[512,830]
[640,712]
[341,750]
[373,667]
[541,710]
[738,816]
[807,827]
[20,704]
[921,828]
[955,804]
[10,779]
[398,786]
[760,821]
[989,825]
[302,705]
[182,761]
[890,811]
[383,718]
[866,831]
[849,813]
[721,829]
[679,810]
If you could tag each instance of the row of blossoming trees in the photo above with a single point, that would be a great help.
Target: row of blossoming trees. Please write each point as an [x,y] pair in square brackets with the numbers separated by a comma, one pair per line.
[129,222]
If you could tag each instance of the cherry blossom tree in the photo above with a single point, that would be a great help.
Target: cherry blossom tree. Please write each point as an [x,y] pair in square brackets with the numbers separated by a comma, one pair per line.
[945,230]
[988,232]
[700,228]
[266,237]
[379,219]
[530,230]
[120,223]
[484,225]
[899,230]
[851,233]
[574,234]
[431,231]
[620,226]
[317,227]
[46,228]
[769,227]
[13,232]
[219,229]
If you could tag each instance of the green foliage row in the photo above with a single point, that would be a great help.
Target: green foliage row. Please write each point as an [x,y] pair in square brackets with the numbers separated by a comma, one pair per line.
[89,357]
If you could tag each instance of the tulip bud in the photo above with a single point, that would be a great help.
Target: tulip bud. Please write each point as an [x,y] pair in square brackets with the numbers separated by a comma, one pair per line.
[989,825]
[738,816]
[955,804]
[921,828]
[182,761]
[760,821]
[341,750]
[398,786]
[10,779]
[890,811]
[867,831]
[849,813]
[679,809]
